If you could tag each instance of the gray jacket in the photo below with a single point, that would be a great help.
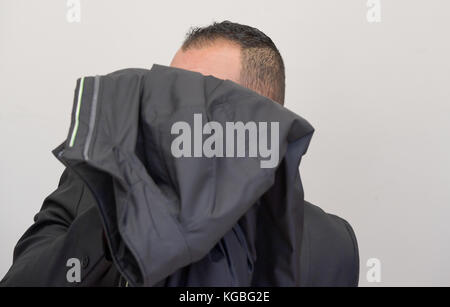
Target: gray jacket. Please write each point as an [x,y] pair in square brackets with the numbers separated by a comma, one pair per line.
[136,214]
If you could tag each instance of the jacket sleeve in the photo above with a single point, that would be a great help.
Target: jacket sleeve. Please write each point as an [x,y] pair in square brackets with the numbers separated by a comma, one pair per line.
[67,226]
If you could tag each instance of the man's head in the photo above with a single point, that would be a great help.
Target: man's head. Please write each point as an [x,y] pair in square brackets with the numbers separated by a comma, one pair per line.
[236,52]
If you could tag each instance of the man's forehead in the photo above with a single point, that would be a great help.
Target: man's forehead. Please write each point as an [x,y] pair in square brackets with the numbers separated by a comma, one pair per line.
[220,59]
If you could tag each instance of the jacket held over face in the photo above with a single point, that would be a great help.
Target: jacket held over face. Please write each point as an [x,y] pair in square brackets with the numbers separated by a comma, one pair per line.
[133,213]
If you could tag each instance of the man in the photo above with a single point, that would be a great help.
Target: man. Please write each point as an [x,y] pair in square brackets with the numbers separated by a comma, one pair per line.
[69,226]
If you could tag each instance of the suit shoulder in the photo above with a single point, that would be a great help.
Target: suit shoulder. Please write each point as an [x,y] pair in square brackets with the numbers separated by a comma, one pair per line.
[330,254]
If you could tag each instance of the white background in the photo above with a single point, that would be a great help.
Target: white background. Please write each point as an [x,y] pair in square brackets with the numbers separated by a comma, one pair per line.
[378,95]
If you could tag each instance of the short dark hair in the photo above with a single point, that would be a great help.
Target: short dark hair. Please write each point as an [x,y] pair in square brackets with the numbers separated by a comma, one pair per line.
[262,67]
